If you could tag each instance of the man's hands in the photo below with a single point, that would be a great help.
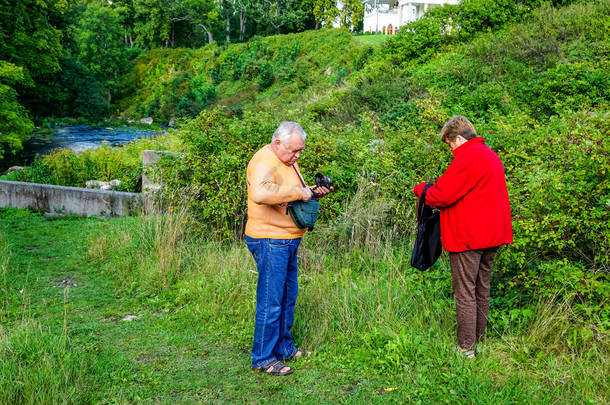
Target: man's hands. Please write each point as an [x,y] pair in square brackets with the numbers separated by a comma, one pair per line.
[320,191]
[307,193]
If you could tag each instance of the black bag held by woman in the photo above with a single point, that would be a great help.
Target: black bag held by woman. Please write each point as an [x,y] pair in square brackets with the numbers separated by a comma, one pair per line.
[427,248]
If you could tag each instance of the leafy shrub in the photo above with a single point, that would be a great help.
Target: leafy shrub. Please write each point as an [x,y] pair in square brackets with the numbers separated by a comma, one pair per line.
[565,86]
[265,75]
[213,169]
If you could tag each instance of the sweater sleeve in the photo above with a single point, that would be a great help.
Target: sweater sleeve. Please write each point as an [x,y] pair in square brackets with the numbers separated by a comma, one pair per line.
[263,189]
[454,184]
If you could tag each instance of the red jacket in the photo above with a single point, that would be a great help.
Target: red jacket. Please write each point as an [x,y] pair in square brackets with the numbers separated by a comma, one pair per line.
[472,193]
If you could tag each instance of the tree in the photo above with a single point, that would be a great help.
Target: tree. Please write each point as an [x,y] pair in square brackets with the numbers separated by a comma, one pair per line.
[126,12]
[99,37]
[15,123]
[326,12]
[351,14]
[30,51]
[28,39]
[348,12]
[171,23]
[278,15]
[200,14]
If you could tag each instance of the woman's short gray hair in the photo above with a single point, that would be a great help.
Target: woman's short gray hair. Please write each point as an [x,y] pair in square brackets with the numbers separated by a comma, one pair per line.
[286,129]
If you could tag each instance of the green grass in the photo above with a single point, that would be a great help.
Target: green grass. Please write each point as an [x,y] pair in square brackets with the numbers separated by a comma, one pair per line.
[381,332]
[371,40]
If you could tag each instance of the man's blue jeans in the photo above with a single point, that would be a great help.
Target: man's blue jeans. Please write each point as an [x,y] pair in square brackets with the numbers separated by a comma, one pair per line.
[276,295]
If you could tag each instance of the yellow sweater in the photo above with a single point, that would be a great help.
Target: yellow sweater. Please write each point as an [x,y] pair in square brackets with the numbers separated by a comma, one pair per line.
[271,184]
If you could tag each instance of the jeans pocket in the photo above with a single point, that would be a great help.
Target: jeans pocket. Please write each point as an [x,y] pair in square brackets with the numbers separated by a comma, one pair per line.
[255,248]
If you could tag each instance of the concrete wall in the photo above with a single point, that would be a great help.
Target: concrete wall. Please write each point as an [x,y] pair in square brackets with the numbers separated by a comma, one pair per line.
[69,200]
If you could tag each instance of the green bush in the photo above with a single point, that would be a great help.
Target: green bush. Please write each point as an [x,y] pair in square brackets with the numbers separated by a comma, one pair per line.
[265,75]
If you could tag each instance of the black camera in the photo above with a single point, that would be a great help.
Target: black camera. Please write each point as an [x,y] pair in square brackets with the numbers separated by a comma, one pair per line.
[323,181]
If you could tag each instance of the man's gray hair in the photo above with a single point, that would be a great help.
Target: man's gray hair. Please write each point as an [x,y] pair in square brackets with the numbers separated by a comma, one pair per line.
[286,129]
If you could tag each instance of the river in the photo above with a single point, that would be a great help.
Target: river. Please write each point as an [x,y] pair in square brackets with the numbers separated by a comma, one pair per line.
[77,138]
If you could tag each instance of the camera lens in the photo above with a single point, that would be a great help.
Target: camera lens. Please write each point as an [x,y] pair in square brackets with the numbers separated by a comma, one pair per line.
[323,181]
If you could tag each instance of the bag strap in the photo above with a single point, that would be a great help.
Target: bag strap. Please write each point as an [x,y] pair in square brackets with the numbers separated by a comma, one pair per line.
[314,194]
[422,200]
[299,176]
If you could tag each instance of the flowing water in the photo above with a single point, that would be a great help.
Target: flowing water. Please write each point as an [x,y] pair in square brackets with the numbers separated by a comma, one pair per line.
[77,138]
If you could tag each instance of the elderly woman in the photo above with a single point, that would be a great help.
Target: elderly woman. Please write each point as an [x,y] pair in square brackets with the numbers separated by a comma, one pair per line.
[475,222]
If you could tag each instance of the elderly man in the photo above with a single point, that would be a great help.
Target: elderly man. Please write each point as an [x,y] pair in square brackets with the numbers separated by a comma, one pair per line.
[475,221]
[273,180]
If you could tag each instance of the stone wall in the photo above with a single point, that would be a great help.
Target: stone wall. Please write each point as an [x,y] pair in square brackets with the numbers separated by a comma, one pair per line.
[69,200]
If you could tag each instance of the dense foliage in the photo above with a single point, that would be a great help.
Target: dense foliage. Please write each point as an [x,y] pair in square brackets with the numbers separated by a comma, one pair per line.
[250,76]
[29,53]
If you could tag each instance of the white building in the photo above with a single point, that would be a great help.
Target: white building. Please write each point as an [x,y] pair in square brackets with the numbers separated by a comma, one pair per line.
[386,16]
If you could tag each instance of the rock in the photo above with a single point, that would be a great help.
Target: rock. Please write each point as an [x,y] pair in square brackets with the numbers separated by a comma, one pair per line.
[104,185]
[147,120]
[129,318]
[94,183]
[14,169]
[171,122]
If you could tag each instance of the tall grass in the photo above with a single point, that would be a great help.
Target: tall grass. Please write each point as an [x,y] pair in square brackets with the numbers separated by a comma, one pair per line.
[39,363]
[360,303]
[4,263]
[37,367]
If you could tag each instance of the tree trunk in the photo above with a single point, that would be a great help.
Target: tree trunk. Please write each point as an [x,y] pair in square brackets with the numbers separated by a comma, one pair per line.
[242,24]
[228,28]
[317,24]
[108,97]
[210,37]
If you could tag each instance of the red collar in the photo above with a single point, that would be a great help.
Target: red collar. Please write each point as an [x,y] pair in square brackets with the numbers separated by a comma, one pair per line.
[468,144]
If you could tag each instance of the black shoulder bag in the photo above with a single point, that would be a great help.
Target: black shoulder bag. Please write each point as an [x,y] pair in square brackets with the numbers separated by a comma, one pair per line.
[427,248]
[304,213]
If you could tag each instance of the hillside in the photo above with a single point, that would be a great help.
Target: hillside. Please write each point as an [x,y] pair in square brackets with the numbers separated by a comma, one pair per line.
[261,74]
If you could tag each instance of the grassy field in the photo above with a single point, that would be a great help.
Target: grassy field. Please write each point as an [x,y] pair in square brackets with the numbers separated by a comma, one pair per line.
[381,332]
[372,40]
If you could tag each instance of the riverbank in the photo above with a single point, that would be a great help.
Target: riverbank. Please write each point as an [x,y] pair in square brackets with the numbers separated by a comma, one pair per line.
[118,156]
[134,310]
[76,134]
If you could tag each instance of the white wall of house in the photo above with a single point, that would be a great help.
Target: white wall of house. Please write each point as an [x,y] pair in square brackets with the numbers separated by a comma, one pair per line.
[381,14]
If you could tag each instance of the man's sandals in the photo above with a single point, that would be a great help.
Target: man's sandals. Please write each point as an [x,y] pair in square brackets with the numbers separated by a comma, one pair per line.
[300,353]
[276,367]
